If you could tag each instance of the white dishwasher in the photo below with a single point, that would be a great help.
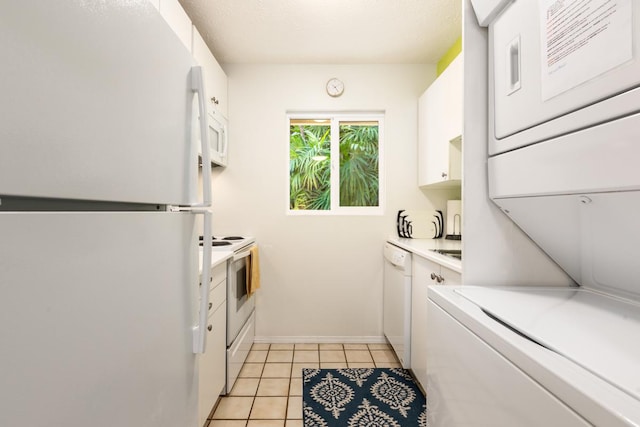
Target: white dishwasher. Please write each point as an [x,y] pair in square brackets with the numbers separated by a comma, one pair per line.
[397,301]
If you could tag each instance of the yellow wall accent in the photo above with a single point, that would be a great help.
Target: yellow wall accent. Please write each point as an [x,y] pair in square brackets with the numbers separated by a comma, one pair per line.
[448,57]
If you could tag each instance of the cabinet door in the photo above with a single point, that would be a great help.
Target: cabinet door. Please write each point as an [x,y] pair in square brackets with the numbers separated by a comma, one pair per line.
[437,143]
[177,18]
[451,110]
[450,277]
[422,140]
[421,279]
[215,78]
[440,123]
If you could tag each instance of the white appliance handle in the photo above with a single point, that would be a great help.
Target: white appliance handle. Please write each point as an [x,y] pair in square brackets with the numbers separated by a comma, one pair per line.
[241,255]
[513,66]
[225,141]
[200,330]
[197,85]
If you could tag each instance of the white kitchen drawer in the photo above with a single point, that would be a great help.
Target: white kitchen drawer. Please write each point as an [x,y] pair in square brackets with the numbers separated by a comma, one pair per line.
[527,92]
[217,297]
[219,274]
[218,287]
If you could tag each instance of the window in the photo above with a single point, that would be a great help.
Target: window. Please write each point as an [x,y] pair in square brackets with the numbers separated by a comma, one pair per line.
[334,163]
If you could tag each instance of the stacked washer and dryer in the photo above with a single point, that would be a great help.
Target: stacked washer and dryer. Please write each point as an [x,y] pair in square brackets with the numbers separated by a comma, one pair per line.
[564,148]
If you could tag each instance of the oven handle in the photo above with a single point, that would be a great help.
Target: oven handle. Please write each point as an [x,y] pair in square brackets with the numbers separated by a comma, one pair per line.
[243,254]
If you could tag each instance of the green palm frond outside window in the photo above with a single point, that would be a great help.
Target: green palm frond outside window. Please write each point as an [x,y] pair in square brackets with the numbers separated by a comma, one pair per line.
[310,164]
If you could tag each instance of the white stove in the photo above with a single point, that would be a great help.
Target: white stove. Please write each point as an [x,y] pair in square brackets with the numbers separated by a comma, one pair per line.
[231,243]
[240,305]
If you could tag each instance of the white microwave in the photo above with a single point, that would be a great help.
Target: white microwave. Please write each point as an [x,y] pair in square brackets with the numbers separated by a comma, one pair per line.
[218,137]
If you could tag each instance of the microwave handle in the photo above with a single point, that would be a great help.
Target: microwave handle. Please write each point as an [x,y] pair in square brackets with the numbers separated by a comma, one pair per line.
[200,330]
[197,85]
[225,141]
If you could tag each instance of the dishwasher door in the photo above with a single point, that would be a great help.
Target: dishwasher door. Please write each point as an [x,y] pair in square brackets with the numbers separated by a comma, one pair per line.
[397,301]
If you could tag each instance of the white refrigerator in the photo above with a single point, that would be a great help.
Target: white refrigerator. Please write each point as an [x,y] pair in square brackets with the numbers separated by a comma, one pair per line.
[99,208]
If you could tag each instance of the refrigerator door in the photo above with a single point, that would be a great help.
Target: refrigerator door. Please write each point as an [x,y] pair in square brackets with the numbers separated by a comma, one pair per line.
[97,104]
[96,318]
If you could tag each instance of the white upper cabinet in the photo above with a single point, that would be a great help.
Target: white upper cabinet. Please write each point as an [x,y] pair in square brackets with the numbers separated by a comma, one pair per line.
[177,18]
[215,80]
[440,129]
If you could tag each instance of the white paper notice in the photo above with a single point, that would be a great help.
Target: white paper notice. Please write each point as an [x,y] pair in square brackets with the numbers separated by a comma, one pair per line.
[582,39]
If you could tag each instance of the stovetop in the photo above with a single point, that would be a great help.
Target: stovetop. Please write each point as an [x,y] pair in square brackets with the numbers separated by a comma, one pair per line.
[228,243]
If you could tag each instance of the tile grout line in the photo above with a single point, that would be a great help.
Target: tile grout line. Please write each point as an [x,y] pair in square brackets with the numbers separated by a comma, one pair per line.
[375,364]
[318,349]
[286,407]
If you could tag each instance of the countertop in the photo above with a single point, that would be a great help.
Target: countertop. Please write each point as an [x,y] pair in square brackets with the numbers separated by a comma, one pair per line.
[216,257]
[423,248]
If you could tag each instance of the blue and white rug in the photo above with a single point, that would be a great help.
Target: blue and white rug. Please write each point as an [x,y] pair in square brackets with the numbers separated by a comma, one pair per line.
[359,397]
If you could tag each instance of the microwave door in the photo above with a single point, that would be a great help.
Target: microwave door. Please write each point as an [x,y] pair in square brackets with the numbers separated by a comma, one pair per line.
[217,138]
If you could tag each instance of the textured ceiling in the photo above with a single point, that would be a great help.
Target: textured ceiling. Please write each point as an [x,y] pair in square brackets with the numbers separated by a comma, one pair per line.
[327,31]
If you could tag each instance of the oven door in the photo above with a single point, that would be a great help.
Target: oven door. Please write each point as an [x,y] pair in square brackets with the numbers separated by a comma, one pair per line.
[239,306]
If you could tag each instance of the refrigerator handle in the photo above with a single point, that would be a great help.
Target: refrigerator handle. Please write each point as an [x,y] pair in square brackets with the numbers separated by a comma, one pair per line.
[197,85]
[200,330]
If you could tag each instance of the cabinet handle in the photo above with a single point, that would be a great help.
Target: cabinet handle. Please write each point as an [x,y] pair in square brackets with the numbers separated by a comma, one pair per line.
[438,278]
[209,328]
[214,100]
[444,174]
[210,305]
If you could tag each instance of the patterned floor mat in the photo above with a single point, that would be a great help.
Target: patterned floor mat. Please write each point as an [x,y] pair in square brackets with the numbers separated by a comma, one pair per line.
[358,397]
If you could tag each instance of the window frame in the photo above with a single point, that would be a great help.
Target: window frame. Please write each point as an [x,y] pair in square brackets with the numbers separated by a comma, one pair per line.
[335,118]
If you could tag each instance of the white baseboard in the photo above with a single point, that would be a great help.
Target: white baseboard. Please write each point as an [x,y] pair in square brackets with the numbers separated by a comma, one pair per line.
[320,340]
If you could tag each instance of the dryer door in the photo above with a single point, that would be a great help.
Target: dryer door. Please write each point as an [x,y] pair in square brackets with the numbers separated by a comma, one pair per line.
[549,61]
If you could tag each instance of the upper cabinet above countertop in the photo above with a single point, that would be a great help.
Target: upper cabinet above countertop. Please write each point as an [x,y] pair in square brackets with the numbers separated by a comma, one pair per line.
[440,129]
[178,20]
[215,79]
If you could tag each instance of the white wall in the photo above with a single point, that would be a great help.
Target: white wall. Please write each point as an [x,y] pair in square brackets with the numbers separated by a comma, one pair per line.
[496,251]
[321,275]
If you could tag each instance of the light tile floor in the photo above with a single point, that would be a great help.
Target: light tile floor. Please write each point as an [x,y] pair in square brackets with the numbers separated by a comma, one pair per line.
[268,391]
